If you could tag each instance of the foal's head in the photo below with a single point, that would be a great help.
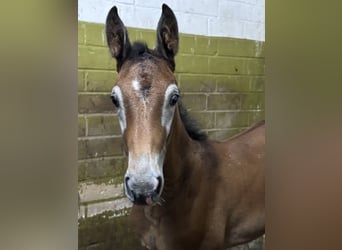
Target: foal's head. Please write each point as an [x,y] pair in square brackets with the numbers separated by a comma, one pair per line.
[145,96]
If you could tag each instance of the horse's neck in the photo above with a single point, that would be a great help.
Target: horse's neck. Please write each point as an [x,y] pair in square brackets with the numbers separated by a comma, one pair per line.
[179,160]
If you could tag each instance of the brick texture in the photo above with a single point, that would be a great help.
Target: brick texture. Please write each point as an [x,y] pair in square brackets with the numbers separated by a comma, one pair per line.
[95,103]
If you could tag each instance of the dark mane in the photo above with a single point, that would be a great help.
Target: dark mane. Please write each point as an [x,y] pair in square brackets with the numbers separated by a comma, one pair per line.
[191,125]
[139,50]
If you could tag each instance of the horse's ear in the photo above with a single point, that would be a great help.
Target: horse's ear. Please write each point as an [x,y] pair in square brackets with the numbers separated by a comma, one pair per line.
[167,34]
[117,37]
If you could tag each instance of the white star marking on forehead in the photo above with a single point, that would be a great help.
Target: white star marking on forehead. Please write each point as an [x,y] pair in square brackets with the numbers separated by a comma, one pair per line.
[136,85]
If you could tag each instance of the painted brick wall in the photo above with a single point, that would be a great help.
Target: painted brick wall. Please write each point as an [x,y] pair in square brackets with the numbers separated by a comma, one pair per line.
[222,84]
[223,18]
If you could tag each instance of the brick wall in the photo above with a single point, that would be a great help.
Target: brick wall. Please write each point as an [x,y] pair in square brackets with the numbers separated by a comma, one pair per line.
[222,85]
[224,18]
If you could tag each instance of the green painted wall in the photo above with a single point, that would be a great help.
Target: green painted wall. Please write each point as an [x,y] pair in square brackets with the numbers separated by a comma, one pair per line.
[222,84]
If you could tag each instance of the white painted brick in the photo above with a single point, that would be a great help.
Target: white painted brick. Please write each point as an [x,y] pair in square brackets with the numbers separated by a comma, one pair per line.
[91,12]
[192,24]
[173,4]
[147,17]
[127,14]
[93,192]
[124,1]
[243,1]
[254,31]
[235,10]
[258,13]
[203,7]
[98,208]
[226,27]
[242,11]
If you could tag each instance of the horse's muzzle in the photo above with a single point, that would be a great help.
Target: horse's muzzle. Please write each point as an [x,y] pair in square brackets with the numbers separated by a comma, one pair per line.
[143,192]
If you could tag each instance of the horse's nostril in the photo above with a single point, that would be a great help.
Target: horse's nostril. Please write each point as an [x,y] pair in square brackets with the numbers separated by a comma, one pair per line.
[158,189]
[126,183]
[126,179]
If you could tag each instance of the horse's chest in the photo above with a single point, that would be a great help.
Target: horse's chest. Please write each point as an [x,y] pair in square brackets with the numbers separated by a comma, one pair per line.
[157,238]
[170,231]
[150,238]
[167,236]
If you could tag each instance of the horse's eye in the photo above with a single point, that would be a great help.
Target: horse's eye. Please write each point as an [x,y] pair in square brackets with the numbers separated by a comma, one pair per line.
[174,99]
[115,100]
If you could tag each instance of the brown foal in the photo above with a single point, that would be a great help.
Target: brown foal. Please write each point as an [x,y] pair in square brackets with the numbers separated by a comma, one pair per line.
[188,192]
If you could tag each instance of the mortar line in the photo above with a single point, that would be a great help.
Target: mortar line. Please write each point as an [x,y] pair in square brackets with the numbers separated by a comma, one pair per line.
[95,137]
[111,157]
